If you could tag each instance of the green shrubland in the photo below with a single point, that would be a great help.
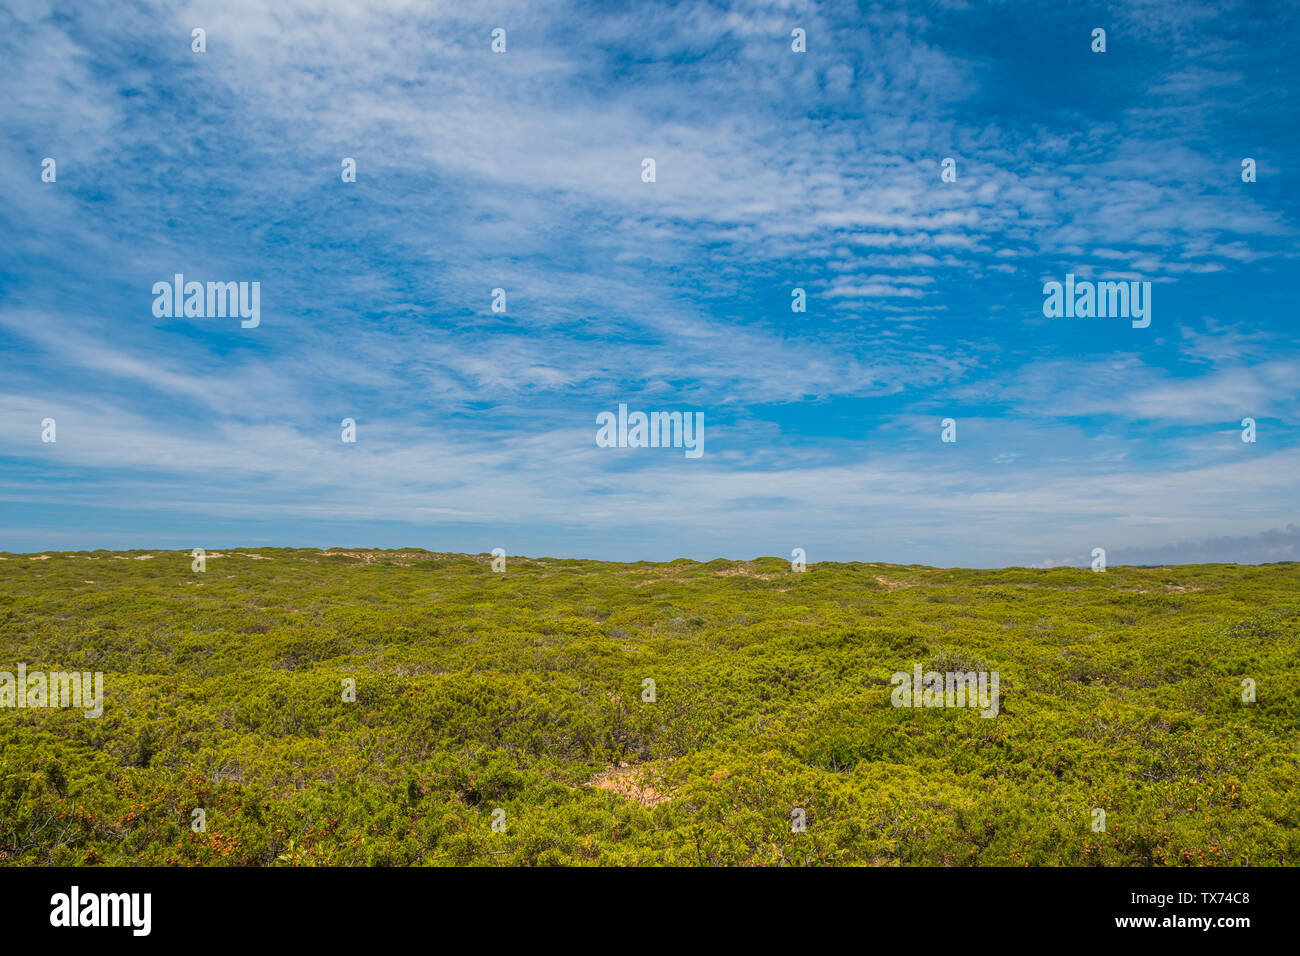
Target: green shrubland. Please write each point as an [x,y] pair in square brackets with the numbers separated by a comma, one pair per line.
[523,691]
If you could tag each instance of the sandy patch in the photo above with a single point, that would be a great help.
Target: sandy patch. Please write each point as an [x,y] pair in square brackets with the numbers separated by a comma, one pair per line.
[642,783]
[401,558]
[367,558]
[744,572]
[893,584]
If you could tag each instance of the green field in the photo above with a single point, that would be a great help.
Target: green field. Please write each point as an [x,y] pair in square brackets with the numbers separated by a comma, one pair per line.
[478,691]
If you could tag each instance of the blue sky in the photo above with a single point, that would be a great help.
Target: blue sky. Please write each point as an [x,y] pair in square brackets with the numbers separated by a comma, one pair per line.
[774,170]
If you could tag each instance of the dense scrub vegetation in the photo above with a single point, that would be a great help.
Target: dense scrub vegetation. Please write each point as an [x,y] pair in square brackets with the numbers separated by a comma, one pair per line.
[523,691]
